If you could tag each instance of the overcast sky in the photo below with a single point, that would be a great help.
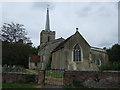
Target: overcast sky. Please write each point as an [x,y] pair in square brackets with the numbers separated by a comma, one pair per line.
[97,21]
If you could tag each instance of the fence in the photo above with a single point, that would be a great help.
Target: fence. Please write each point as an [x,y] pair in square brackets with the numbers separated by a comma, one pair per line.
[54,77]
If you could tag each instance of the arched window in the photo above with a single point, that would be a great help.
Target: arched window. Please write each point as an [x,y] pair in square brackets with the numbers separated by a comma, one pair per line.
[98,62]
[77,53]
[48,38]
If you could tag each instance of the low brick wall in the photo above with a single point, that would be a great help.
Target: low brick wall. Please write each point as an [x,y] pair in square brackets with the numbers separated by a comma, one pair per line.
[12,77]
[96,79]
[21,77]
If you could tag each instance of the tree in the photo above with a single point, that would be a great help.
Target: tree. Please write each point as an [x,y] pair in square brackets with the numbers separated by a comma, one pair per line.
[111,66]
[16,46]
[17,53]
[114,53]
[114,59]
[13,32]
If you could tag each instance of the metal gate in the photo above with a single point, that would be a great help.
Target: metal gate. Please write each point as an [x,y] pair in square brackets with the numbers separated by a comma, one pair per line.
[54,77]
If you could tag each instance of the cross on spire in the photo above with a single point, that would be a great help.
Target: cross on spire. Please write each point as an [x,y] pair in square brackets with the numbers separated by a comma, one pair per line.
[76,29]
[47,26]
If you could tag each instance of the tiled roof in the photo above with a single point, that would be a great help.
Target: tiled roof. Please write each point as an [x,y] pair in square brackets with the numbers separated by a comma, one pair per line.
[34,58]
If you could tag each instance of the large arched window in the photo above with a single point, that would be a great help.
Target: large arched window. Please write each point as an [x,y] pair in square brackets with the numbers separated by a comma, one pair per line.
[77,53]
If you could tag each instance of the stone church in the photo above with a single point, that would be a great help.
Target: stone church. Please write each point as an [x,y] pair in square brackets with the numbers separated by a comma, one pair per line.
[73,53]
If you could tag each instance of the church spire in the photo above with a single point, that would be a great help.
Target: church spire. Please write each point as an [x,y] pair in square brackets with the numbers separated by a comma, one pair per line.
[47,26]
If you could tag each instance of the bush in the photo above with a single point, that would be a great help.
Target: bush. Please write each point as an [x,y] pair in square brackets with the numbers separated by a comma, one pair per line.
[30,78]
[78,83]
[114,53]
[110,66]
[20,81]
[68,86]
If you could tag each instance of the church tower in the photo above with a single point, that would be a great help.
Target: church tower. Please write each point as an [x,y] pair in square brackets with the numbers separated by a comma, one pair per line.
[47,35]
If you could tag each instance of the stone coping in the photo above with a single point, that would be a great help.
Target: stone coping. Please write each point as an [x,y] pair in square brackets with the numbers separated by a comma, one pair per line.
[89,71]
[18,73]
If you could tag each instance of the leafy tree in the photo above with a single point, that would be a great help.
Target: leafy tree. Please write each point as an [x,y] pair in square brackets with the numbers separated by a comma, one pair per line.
[13,32]
[17,53]
[110,66]
[16,46]
[114,59]
[114,53]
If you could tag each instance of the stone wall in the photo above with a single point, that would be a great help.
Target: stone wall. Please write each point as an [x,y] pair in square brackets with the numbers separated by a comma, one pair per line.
[63,55]
[45,51]
[21,77]
[97,55]
[96,79]
[45,34]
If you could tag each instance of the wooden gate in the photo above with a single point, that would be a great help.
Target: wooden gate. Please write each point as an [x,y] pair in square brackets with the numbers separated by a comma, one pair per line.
[54,77]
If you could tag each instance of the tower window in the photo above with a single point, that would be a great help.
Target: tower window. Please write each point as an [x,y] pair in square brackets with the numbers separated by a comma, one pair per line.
[48,38]
[36,64]
[77,53]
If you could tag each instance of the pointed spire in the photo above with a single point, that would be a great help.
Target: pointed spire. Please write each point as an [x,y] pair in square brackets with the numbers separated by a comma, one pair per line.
[47,26]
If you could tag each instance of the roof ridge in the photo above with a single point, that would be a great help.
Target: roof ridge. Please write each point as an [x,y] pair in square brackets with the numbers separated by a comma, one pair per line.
[61,45]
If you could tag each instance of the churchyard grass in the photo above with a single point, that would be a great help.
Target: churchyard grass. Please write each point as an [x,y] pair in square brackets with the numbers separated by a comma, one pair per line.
[19,85]
[32,71]
[29,71]
[54,74]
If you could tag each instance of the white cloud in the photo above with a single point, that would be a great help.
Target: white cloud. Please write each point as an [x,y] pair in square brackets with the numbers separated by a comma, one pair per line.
[97,22]
[0,14]
[43,5]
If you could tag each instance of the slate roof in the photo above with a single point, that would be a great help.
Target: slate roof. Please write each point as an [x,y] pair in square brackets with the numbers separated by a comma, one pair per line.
[34,58]
[98,49]
[54,41]
[61,45]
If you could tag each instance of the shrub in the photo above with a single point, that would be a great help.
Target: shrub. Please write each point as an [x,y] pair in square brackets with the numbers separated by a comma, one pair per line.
[110,66]
[30,78]
[68,86]
[96,78]
[78,83]
[20,81]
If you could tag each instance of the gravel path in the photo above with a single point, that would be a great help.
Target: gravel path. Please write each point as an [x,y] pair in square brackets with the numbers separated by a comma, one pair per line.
[51,82]
[54,81]
[52,86]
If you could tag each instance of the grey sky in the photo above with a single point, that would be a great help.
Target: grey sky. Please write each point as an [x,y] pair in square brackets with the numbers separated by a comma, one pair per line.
[97,21]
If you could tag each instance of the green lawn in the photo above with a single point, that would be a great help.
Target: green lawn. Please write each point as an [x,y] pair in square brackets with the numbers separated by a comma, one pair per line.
[19,85]
[32,71]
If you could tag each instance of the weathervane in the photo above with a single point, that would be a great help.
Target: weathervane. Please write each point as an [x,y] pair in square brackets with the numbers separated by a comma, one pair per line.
[48,5]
